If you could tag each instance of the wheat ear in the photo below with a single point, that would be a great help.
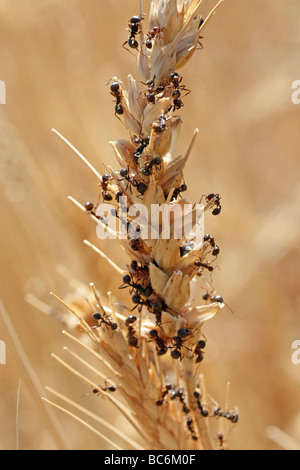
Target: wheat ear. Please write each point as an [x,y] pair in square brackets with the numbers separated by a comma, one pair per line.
[155,352]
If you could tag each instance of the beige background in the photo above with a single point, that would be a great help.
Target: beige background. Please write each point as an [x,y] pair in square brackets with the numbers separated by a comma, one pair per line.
[56,59]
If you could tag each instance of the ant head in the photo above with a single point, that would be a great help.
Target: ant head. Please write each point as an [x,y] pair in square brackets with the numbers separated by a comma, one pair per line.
[130,320]
[89,206]
[114,87]
[136,19]
[153,334]
[97,316]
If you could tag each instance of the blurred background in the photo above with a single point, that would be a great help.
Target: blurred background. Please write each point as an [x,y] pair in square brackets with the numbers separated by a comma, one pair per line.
[56,59]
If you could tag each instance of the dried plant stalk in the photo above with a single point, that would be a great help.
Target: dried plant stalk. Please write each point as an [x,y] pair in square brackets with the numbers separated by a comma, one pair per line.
[155,352]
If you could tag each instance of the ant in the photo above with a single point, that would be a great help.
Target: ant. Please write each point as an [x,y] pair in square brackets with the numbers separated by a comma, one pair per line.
[143,144]
[230,415]
[177,192]
[161,348]
[141,187]
[190,426]
[215,198]
[204,413]
[109,388]
[198,350]
[167,391]
[104,184]
[216,251]
[215,248]
[160,125]
[157,308]
[139,302]
[151,92]
[115,90]
[178,341]
[221,441]
[106,321]
[139,288]
[180,395]
[215,298]
[199,264]
[134,29]
[148,168]
[97,391]
[154,33]
[176,80]
[132,339]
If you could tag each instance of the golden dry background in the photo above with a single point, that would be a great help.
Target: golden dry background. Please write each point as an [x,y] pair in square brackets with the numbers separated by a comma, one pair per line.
[56,58]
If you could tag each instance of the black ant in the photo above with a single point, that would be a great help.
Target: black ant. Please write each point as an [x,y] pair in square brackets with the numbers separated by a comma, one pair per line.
[161,348]
[154,33]
[143,144]
[215,198]
[104,321]
[180,395]
[157,308]
[139,302]
[139,289]
[107,388]
[215,248]
[203,412]
[148,168]
[221,441]
[176,80]
[177,191]
[199,264]
[216,251]
[115,90]
[214,298]
[141,187]
[167,391]
[198,351]
[190,426]
[160,125]
[152,91]
[134,30]
[230,415]
[177,342]
[104,184]
[131,334]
